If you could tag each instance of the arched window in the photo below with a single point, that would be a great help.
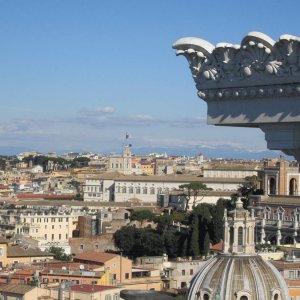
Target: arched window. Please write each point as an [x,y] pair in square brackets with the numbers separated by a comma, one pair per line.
[244,298]
[293,187]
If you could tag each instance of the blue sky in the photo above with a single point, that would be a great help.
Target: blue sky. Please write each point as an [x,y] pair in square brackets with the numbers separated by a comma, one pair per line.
[76,75]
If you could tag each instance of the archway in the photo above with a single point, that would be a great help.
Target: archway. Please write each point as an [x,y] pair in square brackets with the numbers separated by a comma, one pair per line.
[293,187]
[288,240]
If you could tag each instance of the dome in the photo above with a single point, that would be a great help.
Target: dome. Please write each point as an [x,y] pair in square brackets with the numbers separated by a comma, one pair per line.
[238,273]
[238,277]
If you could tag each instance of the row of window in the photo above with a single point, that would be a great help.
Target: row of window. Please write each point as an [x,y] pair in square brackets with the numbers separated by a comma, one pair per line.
[52,236]
[39,220]
[93,188]
[139,190]
[183,273]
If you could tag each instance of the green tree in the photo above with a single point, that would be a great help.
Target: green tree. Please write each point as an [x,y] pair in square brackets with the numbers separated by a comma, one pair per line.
[142,215]
[217,213]
[80,162]
[125,239]
[59,253]
[193,191]
[152,243]
[195,250]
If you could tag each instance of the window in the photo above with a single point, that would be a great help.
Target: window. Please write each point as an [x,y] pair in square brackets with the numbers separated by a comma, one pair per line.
[126,275]
[130,190]
[116,297]
[205,297]
[291,274]
[52,226]
[52,236]
[59,236]
[81,247]
[97,246]
[145,191]
[191,271]
[45,236]
[183,272]
[108,297]
[124,189]
[244,298]
[152,191]
[138,190]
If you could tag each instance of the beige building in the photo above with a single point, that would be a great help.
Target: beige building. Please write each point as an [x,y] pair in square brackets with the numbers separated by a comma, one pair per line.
[121,163]
[47,227]
[11,254]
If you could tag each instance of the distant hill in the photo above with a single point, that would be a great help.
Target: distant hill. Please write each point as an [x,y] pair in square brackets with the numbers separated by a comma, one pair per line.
[222,151]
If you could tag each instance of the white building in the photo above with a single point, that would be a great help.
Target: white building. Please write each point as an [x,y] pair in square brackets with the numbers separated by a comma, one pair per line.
[120,188]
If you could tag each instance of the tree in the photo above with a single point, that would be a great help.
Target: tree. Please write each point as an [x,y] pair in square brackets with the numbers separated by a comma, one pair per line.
[59,253]
[142,215]
[152,243]
[125,239]
[249,188]
[217,213]
[195,250]
[195,190]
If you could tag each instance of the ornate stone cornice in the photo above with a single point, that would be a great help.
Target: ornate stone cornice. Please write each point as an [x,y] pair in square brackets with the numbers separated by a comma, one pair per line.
[254,84]
[246,70]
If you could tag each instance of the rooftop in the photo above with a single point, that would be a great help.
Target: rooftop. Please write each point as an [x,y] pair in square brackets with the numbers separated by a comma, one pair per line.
[90,288]
[16,289]
[98,257]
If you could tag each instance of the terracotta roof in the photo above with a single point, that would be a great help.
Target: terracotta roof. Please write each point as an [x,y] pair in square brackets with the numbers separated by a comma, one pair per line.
[17,251]
[217,247]
[16,289]
[284,265]
[24,272]
[90,288]
[99,257]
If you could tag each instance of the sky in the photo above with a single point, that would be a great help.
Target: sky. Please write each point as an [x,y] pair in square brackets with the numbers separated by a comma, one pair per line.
[76,75]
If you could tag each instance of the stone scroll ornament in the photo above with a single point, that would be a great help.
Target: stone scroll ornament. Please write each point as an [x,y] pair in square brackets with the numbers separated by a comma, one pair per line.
[258,67]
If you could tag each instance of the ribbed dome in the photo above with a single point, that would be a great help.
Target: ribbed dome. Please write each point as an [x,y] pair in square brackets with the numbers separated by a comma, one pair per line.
[238,277]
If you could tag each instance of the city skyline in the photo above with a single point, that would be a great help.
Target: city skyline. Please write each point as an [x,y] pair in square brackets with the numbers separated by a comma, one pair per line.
[77,76]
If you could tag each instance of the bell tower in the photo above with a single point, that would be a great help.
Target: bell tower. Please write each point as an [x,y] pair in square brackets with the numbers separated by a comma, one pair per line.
[239,230]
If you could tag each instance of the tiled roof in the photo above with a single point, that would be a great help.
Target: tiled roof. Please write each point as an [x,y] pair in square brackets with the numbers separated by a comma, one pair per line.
[99,257]
[16,289]
[217,247]
[90,288]
[17,251]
